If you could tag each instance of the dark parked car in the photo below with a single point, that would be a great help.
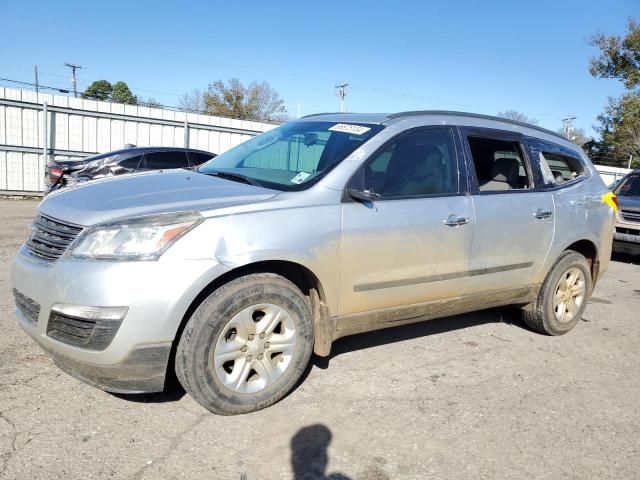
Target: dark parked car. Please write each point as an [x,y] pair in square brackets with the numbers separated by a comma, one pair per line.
[627,236]
[61,173]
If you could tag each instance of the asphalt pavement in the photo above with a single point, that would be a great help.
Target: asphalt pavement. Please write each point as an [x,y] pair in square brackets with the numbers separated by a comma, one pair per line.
[468,397]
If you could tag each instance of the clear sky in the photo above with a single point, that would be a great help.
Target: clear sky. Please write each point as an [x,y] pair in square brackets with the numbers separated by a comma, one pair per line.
[479,56]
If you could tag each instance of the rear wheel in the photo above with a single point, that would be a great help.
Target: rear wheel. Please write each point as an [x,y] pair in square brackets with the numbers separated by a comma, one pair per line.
[563,296]
[246,345]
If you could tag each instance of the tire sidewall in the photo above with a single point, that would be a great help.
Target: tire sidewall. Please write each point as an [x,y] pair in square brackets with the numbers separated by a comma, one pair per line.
[570,260]
[210,320]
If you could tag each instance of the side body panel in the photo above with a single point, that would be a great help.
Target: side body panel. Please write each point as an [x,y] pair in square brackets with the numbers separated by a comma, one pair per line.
[509,240]
[399,252]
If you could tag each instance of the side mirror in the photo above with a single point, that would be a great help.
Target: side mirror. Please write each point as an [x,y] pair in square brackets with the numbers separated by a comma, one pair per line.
[362,195]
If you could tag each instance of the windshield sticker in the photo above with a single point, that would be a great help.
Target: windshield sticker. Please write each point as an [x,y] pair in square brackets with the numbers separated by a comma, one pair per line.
[348,128]
[300,177]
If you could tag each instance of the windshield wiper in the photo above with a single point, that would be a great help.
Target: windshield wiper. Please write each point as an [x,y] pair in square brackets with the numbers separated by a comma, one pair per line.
[233,176]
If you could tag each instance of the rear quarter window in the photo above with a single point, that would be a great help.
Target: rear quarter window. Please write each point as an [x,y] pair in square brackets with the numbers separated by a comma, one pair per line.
[557,164]
[558,169]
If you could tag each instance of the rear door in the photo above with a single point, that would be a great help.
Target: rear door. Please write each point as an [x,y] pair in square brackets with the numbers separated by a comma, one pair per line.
[514,215]
[410,243]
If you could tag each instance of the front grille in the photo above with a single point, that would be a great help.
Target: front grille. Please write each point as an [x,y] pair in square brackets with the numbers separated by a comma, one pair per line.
[630,216]
[29,308]
[50,238]
[82,332]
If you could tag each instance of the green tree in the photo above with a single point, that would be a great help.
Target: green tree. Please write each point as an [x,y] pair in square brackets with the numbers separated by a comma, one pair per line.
[620,128]
[98,90]
[257,101]
[620,122]
[619,56]
[517,116]
[122,94]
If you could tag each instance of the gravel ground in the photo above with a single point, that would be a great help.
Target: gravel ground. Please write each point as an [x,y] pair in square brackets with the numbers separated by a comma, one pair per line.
[474,396]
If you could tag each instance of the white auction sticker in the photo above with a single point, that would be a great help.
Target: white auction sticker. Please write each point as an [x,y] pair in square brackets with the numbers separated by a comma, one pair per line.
[348,128]
[300,177]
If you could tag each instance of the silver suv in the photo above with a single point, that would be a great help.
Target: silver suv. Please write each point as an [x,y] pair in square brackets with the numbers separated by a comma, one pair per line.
[328,226]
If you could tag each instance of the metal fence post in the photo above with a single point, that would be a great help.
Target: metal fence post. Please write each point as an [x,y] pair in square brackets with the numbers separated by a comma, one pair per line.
[186,133]
[45,133]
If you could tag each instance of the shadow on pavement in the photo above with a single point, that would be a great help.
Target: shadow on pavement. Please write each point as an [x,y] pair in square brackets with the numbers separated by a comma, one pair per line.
[172,393]
[309,454]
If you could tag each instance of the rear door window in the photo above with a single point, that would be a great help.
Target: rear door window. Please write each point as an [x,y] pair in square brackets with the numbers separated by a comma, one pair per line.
[131,163]
[499,164]
[161,160]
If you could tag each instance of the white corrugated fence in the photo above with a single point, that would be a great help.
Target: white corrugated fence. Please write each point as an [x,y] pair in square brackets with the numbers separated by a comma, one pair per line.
[78,127]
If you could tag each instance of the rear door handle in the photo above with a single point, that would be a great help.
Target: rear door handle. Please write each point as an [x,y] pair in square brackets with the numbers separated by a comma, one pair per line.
[540,214]
[455,221]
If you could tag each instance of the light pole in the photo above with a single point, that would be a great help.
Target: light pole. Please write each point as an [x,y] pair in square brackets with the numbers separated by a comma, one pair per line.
[341,91]
[74,82]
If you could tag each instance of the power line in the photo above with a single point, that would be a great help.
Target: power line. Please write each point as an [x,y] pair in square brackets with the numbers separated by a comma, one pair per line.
[61,90]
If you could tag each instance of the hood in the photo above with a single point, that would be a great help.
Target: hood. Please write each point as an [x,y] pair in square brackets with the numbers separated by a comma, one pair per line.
[629,203]
[147,193]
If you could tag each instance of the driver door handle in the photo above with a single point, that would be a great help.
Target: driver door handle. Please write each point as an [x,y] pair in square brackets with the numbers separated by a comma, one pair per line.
[455,221]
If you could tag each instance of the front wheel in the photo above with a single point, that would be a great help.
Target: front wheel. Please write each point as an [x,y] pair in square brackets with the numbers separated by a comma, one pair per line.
[246,345]
[563,296]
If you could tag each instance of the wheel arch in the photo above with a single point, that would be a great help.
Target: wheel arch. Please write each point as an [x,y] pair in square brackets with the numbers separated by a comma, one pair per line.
[298,274]
[589,250]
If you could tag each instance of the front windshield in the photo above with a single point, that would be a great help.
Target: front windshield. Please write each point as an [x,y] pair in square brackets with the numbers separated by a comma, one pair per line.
[292,156]
[629,187]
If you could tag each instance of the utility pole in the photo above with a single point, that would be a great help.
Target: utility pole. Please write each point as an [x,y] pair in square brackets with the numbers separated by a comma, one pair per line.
[341,91]
[74,82]
[630,158]
[567,126]
[36,71]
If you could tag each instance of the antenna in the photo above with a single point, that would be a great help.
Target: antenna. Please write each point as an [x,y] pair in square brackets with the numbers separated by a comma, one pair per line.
[74,82]
[341,91]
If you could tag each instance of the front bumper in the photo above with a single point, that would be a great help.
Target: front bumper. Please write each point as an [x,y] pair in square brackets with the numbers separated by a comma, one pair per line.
[142,370]
[156,293]
[626,237]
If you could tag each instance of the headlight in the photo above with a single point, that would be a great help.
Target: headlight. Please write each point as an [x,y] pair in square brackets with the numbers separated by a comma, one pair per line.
[144,238]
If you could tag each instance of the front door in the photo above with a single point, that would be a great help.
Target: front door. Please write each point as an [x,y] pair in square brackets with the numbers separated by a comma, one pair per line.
[410,244]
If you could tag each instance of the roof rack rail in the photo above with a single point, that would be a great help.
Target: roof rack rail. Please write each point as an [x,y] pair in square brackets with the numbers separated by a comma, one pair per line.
[323,113]
[475,115]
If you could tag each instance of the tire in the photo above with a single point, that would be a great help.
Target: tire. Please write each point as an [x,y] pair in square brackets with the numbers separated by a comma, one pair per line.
[247,344]
[553,302]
